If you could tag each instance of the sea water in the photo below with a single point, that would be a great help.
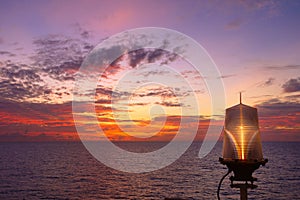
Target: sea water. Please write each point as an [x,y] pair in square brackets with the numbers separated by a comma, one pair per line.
[65,170]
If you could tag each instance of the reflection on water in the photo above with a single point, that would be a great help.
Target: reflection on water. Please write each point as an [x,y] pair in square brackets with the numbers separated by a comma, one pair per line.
[67,171]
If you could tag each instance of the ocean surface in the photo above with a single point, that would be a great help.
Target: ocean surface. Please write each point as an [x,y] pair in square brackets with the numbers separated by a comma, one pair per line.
[62,170]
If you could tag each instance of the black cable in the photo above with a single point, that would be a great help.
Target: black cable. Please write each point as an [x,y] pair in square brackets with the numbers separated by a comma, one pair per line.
[220,183]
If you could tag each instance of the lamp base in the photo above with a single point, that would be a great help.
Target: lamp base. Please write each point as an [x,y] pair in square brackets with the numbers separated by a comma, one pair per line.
[243,169]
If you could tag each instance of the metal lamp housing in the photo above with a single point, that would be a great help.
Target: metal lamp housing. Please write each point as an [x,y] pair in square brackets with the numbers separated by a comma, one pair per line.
[242,148]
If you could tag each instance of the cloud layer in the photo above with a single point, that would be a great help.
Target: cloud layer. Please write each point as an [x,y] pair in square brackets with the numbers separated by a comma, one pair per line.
[292,85]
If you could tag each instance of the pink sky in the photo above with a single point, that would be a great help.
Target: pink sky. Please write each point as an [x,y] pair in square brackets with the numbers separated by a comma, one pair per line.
[255,45]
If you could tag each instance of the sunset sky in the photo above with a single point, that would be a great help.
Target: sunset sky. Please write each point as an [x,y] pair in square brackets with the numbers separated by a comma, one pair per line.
[255,45]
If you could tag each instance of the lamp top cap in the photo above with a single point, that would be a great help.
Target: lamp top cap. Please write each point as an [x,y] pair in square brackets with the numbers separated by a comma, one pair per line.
[238,106]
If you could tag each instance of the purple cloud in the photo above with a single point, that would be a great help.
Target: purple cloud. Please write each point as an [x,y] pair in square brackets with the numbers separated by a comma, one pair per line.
[234,24]
[292,85]
[268,82]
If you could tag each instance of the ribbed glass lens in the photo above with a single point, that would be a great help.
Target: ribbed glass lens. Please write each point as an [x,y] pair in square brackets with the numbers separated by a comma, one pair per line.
[241,134]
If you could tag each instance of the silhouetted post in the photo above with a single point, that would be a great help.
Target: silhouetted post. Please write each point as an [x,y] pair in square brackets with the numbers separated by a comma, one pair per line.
[243,192]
